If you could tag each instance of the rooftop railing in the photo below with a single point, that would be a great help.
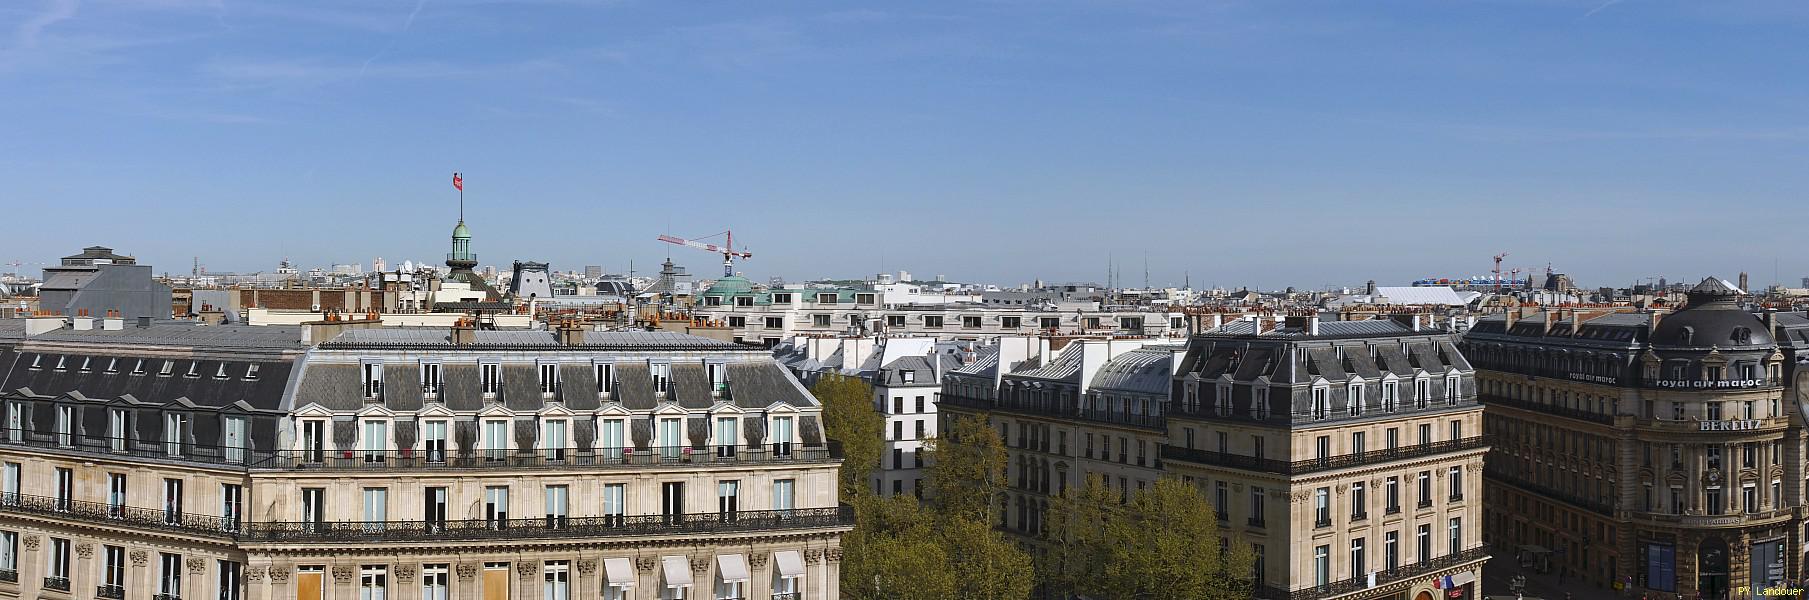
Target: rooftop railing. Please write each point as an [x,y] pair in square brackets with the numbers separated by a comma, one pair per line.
[1550,409]
[1313,465]
[1051,410]
[545,458]
[116,514]
[128,448]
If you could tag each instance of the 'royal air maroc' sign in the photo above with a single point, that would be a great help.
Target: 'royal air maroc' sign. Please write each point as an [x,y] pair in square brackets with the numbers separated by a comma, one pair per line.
[1731,425]
[1704,385]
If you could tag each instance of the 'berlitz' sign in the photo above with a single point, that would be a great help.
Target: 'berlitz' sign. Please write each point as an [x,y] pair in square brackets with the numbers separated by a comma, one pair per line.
[1731,425]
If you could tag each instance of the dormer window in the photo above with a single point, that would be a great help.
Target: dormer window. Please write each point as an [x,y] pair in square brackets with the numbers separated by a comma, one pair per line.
[169,366]
[138,367]
[826,298]
[251,372]
[372,373]
[662,376]
[221,372]
[1354,399]
[488,377]
[1321,403]
[1221,404]
[112,365]
[430,380]
[1686,336]
[908,375]
[194,370]
[718,377]
[86,361]
[37,362]
[782,298]
[606,378]
[744,301]
[549,378]
[62,363]
[1742,335]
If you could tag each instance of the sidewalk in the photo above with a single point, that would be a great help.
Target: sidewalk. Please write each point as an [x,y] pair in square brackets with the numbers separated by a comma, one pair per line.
[1501,569]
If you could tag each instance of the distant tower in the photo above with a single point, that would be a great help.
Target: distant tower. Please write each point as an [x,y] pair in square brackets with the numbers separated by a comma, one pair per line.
[377,265]
[1743,282]
[1370,288]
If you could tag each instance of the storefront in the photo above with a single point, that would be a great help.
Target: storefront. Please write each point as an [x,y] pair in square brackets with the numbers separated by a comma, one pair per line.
[1766,565]
[1658,567]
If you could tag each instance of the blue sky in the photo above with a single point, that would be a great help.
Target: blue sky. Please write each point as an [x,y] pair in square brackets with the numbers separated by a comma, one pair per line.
[1239,143]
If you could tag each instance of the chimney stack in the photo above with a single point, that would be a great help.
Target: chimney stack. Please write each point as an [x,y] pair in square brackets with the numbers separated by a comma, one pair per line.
[82,322]
[464,332]
[1312,324]
[113,322]
[43,322]
[570,334]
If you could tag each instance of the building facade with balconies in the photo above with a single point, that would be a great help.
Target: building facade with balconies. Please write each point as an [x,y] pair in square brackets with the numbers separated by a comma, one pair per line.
[1660,451]
[163,462]
[1347,453]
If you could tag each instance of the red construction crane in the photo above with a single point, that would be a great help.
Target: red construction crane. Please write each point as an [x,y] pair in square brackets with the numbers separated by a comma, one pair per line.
[729,254]
[1498,258]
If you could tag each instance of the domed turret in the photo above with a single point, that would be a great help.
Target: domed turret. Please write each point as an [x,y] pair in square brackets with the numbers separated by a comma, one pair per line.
[1713,318]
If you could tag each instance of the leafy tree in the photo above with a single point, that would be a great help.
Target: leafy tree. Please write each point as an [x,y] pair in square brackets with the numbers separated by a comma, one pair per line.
[1157,552]
[1075,529]
[850,419]
[984,564]
[967,469]
[894,552]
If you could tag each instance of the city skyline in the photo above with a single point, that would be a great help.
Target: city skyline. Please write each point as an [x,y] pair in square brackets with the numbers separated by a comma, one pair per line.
[1236,144]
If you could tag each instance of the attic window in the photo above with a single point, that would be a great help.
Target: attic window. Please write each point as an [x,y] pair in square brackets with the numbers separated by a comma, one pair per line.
[169,366]
[221,372]
[138,368]
[37,362]
[909,375]
[86,362]
[251,372]
[194,370]
[112,365]
[62,362]
[1742,335]
[1686,336]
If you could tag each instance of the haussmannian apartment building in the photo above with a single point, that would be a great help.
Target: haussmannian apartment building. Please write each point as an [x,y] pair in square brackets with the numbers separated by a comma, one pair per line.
[159,462]
[1348,454]
[1658,450]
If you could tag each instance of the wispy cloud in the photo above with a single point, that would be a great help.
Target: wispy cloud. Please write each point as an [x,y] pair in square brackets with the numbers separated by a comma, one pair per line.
[285,73]
[58,11]
[1600,8]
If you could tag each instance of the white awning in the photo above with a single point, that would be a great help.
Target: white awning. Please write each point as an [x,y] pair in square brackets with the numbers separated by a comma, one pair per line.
[791,564]
[678,571]
[732,567]
[1463,578]
[620,572]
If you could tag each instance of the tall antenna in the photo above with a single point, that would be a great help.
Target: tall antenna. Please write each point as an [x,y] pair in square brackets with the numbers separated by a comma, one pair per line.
[1146,269]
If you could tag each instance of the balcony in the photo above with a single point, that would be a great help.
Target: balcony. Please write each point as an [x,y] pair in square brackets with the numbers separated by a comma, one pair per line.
[9,575]
[1550,409]
[110,592]
[125,448]
[542,458]
[1313,465]
[1383,577]
[167,597]
[1503,476]
[1052,411]
[60,584]
[536,528]
[1255,522]
[111,515]
[788,596]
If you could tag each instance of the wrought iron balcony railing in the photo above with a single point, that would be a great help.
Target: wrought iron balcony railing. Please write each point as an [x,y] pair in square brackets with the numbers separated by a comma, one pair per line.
[538,528]
[543,458]
[9,575]
[1386,576]
[129,516]
[1550,409]
[110,592]
[60,584]
[427,531]
[1312,465]
[122,447]
[1046,409]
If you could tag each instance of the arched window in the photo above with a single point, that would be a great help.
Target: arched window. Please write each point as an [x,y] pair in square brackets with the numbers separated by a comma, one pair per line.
[1687,336]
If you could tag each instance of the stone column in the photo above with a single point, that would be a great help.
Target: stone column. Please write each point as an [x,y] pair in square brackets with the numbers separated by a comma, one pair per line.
[279,585]
[344,583]
[647,586]
[31,565]
[759,580]
[139,581]
[402,580]
[832,567]
[467,586]
[195,580]
[527,581]
[819,576]
[256,586]
[82,572]
[584,580]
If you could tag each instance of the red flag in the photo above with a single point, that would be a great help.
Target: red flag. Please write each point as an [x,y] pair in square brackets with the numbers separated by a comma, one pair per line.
[458,182]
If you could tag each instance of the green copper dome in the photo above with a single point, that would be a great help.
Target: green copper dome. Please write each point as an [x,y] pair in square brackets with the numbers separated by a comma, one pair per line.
[461,232]
[734,285]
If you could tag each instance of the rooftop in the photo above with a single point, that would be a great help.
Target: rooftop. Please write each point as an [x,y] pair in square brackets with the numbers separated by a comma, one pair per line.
[413,337]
